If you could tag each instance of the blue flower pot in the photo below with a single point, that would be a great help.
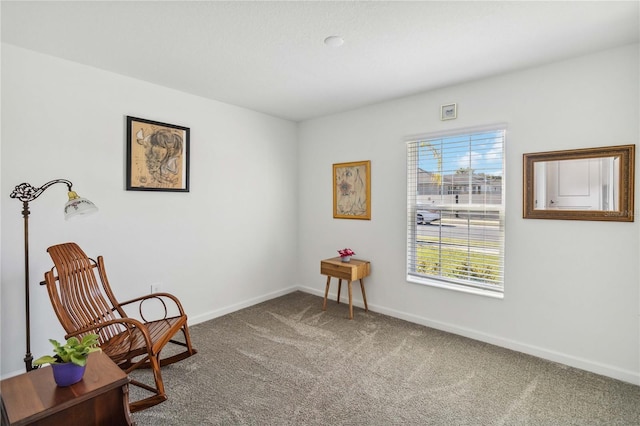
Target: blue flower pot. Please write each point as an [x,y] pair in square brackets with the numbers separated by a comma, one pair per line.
[67,374]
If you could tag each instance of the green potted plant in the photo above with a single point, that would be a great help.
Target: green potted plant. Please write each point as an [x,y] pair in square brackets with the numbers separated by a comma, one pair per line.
[70,360]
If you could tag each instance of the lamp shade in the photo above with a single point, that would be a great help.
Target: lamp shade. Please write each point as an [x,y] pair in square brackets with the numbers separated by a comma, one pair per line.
[78,206]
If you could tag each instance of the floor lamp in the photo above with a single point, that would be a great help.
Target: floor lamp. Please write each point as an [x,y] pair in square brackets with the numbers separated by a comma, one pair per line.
[75,206]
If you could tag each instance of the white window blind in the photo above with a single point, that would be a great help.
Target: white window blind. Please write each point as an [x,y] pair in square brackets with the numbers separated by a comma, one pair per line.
[455,200]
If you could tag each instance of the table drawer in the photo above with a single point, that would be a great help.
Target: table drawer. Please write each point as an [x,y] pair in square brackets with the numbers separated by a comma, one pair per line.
[346,271]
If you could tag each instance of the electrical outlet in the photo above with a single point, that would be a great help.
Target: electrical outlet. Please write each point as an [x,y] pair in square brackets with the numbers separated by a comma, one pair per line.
[155,288]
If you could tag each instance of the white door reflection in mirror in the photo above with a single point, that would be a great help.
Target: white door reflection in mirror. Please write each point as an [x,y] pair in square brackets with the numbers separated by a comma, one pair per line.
[577,184]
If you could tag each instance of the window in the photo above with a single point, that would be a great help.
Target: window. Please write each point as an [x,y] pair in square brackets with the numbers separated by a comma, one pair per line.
[455,200]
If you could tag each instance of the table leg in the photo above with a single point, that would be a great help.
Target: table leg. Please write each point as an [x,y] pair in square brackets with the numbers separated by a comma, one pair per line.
[339,289]
[350,302]
[326,293]
[364,295]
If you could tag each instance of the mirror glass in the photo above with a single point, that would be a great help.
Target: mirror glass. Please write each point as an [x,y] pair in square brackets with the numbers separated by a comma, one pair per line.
[584,184]
[587,184]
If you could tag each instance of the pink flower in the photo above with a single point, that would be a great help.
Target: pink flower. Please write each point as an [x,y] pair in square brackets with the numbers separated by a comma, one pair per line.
[346,252]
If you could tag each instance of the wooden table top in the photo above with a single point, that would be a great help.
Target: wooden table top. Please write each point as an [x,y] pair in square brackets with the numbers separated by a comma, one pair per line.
[32,395]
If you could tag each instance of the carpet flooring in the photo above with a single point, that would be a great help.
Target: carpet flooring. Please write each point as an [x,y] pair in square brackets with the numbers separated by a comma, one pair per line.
[287,362]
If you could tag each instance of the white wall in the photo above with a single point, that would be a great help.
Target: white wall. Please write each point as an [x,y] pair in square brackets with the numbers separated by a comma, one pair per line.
[227,243]
[571,287]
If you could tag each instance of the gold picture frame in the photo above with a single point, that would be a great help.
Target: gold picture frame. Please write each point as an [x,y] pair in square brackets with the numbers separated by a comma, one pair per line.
[352,190]
[605,174]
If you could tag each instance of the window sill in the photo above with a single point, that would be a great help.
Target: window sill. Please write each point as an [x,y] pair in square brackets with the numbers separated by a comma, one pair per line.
[455,287]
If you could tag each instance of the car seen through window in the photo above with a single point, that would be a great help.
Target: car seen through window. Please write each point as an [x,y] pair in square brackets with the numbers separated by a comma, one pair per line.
[425,217]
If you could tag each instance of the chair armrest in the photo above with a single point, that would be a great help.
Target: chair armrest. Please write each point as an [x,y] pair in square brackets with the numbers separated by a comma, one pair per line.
[158,296]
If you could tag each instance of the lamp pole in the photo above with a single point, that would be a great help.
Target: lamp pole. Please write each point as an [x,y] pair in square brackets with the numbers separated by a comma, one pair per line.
[26,193]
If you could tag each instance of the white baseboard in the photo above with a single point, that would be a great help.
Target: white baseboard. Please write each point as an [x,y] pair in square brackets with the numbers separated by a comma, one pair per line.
[241,305]
[550,355]
[577,362]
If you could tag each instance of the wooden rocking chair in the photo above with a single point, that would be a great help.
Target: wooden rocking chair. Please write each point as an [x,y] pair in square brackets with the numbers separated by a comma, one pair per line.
[84,305]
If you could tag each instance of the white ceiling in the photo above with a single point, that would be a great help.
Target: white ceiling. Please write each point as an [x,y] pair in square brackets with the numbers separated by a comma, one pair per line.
[270,56]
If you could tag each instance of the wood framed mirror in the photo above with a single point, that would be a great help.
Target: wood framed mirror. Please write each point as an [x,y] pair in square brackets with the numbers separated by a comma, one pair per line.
[580,184]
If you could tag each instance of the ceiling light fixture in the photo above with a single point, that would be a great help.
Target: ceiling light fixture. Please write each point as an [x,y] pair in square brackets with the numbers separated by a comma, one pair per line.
[334,41]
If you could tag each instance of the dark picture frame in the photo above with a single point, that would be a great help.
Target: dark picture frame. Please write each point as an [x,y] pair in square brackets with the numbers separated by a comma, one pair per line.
[157,156]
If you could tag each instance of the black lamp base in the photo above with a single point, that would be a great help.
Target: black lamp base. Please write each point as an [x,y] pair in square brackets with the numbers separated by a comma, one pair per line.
[28,362]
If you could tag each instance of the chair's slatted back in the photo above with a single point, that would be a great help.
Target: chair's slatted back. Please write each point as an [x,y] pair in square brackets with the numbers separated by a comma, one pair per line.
[78,299]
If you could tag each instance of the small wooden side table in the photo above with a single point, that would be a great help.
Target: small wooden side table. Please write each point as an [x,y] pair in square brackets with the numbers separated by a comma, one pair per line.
[100,398]
[351,271]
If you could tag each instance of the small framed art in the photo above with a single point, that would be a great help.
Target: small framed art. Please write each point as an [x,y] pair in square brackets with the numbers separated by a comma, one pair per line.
[448,112]
[157,156]
[352,190]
